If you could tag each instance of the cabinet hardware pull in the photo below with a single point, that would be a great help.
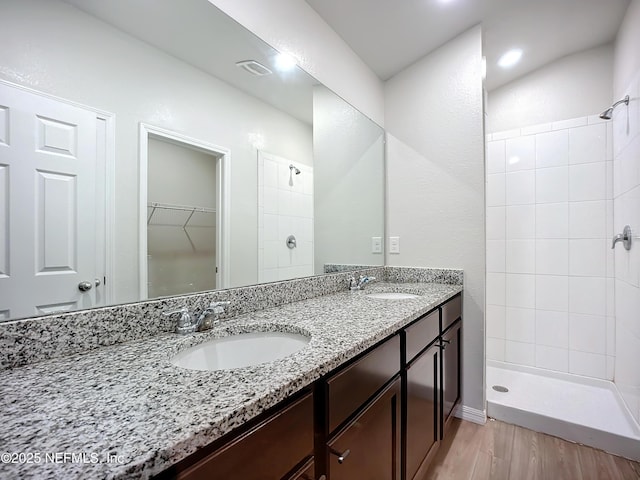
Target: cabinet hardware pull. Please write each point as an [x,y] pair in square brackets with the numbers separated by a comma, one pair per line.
[341,456]
[323,477]
[446,341]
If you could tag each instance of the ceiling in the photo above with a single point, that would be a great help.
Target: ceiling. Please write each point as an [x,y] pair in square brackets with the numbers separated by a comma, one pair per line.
[390,35]
[213,43]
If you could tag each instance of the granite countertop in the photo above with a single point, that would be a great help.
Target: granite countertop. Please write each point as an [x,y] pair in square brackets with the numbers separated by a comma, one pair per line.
[125,411]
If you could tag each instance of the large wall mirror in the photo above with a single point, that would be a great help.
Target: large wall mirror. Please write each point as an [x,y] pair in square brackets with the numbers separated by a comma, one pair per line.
[150,149]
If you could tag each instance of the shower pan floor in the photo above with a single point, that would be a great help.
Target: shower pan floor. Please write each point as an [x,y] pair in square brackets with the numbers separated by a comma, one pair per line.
[575,408]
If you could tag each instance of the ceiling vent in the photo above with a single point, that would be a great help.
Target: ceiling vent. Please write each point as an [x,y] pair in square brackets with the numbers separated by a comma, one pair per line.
[254,67]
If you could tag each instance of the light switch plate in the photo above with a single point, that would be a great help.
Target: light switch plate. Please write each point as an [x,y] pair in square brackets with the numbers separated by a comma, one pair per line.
[394,244]
[376,244]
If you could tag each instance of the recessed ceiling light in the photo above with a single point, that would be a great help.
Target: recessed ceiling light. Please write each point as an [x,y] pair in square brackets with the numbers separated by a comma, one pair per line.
[510,58]
[285,62]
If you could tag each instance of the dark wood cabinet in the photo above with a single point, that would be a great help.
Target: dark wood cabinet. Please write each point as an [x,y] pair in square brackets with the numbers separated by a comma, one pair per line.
[268,451]
[368,446]
[353,385]
[381,416]
[451,342]
[432,383]
[358,413]
[420,334]
[422,410]
[450,312]
[306,472]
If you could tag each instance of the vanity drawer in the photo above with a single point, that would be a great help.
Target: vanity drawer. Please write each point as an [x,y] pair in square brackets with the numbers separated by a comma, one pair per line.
[422,333]
[269,450]
[353,386]
[451,311]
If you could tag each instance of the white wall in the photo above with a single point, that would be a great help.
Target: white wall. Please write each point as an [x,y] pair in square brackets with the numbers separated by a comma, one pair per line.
[549,261]
[180,175]
[293,26]
[348,151]
[574,86]
[435,163]
[626,58]
[626,189]
[54,48]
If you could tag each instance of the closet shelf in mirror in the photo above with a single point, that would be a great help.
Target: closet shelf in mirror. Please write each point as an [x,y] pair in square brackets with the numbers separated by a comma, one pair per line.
[180,215]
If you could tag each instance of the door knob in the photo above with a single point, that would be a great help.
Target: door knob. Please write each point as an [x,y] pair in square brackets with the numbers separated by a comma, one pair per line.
[85,286]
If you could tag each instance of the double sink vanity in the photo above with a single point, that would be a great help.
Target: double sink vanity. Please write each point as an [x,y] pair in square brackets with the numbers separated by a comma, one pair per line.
[354,384]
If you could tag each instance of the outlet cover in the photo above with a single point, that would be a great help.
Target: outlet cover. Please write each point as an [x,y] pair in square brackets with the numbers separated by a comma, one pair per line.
[394,244]
[376,244]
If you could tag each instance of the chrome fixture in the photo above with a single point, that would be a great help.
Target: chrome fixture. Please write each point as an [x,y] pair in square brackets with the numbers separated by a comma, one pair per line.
[293,168]
[624,237]
[187,324]
[208,318]
[342,456]
[360,283]
[606,115]
[86,286]
[291,242]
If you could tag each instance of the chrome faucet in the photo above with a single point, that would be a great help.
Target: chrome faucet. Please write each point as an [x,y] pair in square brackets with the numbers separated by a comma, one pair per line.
[185,323]
[207,319]
[360,283]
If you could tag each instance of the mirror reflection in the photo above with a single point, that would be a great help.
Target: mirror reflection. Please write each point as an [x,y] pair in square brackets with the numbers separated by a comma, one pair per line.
[139,161]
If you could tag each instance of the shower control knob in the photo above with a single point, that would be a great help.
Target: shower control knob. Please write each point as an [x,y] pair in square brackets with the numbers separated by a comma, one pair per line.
[624,237]
[291,242]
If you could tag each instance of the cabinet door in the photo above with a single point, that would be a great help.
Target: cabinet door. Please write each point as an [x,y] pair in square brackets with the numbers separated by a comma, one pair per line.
[368,447]
[354,385]
[420,334]
[422,409]
[306,472]
[450,371]
[267,452]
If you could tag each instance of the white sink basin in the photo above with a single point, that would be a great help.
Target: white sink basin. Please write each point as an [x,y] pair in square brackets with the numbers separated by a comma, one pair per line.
[242,350]
[392,296]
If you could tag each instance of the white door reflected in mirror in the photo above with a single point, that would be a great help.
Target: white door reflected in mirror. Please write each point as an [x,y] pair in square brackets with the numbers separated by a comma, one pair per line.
[49,174]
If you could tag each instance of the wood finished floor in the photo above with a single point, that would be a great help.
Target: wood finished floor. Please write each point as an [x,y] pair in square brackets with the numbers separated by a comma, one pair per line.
[499,451]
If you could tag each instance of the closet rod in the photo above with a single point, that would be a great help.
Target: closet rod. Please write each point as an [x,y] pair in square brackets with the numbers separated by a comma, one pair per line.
[183,208]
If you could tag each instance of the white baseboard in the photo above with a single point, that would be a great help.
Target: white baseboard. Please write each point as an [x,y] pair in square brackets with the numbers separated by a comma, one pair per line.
[470,414]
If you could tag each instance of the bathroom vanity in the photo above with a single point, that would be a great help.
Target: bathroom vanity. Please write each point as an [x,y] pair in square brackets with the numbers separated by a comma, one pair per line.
[374,369]
[381,414]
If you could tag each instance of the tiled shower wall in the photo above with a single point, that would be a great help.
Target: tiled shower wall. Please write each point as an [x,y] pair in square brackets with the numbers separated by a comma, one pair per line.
[285,207]
[626,191]
[550,282]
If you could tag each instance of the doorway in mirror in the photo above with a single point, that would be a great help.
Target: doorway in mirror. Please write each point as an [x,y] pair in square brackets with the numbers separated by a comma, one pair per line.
[182,192]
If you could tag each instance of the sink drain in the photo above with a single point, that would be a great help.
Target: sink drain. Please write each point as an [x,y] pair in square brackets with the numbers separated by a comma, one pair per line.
[500,388]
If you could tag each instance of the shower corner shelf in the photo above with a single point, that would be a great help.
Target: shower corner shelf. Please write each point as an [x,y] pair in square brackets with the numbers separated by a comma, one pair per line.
[189,211]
